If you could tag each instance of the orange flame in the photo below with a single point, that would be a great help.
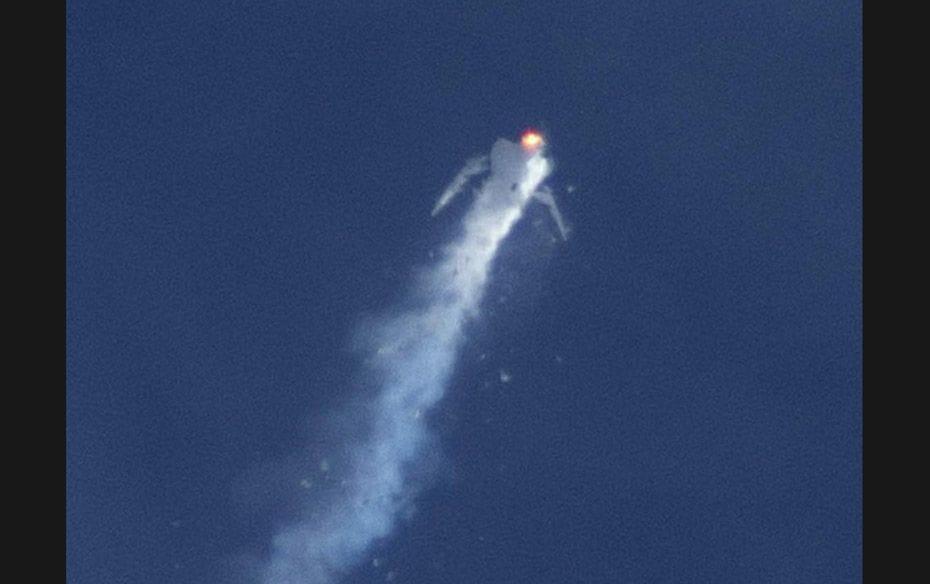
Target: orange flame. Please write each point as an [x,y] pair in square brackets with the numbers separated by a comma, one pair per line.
[531,140]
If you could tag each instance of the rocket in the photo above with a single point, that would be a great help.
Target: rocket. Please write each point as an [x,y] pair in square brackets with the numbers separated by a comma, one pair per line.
[516,171]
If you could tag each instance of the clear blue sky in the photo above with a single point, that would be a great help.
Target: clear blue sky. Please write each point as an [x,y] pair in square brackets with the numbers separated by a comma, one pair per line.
[246,180]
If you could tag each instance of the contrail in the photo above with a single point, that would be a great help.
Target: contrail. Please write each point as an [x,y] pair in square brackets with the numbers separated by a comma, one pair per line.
[413,355]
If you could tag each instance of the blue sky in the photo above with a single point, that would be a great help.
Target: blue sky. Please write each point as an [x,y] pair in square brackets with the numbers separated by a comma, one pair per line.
[245,182]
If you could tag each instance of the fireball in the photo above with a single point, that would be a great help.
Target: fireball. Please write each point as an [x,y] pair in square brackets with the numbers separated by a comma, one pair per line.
[531,140]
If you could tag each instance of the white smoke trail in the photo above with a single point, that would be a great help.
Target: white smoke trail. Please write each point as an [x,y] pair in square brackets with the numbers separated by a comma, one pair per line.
[414,356]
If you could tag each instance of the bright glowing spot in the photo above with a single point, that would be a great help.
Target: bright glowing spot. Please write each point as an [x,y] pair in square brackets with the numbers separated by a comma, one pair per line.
[531,140]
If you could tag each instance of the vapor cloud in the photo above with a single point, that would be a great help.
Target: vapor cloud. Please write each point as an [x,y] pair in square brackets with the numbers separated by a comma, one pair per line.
[411,355]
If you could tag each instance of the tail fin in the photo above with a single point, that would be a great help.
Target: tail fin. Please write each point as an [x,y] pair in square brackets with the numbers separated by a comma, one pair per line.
[472,167]
[545,197]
